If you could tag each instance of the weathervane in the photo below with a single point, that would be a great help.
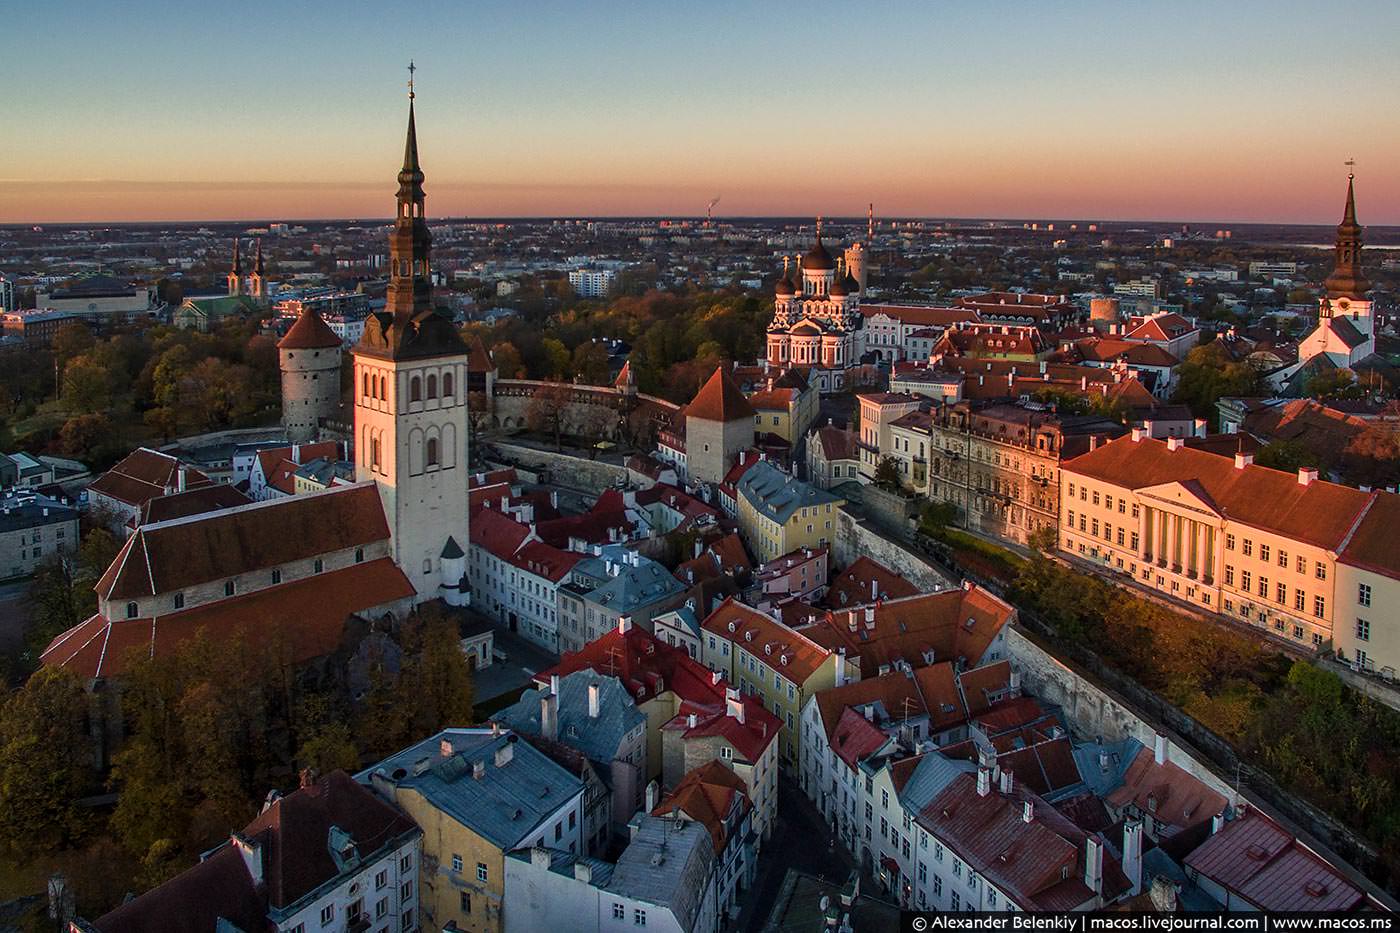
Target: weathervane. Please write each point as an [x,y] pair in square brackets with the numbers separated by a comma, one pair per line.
[411,69]
[1351,168]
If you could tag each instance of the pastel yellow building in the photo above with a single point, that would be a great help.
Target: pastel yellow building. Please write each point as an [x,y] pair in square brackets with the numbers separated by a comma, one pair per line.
[779,513]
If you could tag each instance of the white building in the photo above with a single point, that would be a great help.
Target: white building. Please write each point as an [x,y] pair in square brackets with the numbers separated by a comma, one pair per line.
[592,283]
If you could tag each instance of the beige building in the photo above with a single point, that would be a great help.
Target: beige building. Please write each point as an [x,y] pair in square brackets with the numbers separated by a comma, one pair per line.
[779,514]
[878,410]
[1259,546]
[719,423]
[787,407]
[33,528]
[1000,464]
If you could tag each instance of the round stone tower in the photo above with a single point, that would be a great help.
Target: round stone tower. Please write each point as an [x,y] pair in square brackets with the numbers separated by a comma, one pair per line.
[310,361]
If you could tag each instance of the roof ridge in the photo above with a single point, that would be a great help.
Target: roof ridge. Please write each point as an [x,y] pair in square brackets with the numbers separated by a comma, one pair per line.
[265,503]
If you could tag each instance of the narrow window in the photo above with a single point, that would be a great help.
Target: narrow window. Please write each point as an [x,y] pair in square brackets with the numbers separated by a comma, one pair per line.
[415,389]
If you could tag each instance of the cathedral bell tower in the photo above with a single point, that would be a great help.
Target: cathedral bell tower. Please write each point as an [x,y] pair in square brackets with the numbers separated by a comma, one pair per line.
[410,373]
[1347,285]
[258,281]
[235,273]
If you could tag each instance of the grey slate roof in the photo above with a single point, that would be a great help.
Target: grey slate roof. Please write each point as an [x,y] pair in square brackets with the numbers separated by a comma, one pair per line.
[633,587]
[1100,776]
[776,495]
[666,864]
[932,774]
[598,739]
[29,510]
[504,805]
[562,863]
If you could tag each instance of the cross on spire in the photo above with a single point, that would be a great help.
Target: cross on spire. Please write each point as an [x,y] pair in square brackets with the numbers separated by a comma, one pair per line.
[411,69]
[1351,168]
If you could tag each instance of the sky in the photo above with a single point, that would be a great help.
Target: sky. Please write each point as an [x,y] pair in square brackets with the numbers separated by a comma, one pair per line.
[1195,111]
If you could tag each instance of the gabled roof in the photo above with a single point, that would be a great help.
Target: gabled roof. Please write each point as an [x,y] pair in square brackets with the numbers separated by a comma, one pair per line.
[599,738]
[720,399]
[836,443]
[749,738]
[1319,513]
[195,501]
[1372,544]
[1162,327]
[708,795]
[217,890]
[478,360]
[1166,792]
[790,653]
[1256,859]
[144,474]
[646,666]
[308,615]
[186,552]
[918,316]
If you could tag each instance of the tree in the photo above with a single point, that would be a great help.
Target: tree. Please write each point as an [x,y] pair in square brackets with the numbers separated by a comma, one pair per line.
[1287,455]
[556,358]
[329,749]
[218,392]
[887,473]
[507,360]
[545,413]
[86,385]
[1334,384]
[437,677]
[53,603]
[45,762]
[591,363]
[85,436]
[1372,457]
[1208,374]
[71,341]
[169,372]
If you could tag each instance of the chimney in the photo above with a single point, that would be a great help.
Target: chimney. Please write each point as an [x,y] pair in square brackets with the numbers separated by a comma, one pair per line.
[594,696]
[1148,427]
[691,720]
[554,684]
[984,782]
[1159,749]
[1243,460]
[1093,864]
[1137,434]
[445,748]
[540,858]
[699,547]
[554,498]
[307,777]
[478,770]
[252,856]
[650,796]
[549,716]
[874,589]
[1175,443]
[506,752]
[624,624]
[583,872]
[1132,855]
[1199,427]
[869,616]
[840,680]
[1008,783]
[1028,812]
[1306,475]
[1217,822]
[180,478]
[733,704]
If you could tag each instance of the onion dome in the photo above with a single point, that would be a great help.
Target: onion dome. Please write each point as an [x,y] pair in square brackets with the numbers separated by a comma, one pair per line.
[785,286]
[817,258]
[839,288]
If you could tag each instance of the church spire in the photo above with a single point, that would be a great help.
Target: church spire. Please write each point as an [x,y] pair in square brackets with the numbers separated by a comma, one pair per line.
[410,287]
[257,257]
[1347,280]
[235,273]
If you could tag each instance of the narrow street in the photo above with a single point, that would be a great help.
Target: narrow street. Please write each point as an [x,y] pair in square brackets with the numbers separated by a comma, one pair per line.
[802,840]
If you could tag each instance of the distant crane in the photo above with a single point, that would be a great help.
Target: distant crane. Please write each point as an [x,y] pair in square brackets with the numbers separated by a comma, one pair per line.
[710,211]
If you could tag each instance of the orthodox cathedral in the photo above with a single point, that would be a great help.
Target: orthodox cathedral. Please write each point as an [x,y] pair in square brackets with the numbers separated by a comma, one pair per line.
[816,316]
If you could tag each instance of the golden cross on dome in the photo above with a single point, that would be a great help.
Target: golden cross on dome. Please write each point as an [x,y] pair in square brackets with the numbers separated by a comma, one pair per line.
[411,69]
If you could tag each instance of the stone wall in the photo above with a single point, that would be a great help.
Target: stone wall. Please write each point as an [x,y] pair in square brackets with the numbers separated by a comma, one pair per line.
[856,537]
[564,469]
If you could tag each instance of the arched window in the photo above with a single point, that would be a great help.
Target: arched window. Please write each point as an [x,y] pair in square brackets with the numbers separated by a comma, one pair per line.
[131,610]
[374,453]
[365,384]
[446,385]
[383,389]
[432,386]
[415,389]
[432,451]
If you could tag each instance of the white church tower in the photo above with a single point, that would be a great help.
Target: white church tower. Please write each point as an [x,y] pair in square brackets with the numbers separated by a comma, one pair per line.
[411,406]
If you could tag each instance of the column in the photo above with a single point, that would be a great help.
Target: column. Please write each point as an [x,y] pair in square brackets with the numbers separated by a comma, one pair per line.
[1145,539]
[1193,530]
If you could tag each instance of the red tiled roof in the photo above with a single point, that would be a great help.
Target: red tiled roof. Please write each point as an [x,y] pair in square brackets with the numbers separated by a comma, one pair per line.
[186,552]
[542,560]
[645,665]
[1256,859]
[854,737]
[309,333]
[1163,327]
[497,532]
[773,399]
[770,640]
[1372,544]
[852,586]
[196,501]
[719,399]
[1319,513]
[837,443]
[218,889]
[1166,792]
[308,615]
[904,629]
[983,682]
[750,738]
[706,794]
[478,361]
[144,474]
[895,692]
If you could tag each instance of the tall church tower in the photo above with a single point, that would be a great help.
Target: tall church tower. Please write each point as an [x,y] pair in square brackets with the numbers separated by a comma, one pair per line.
[410,372]
[235,274]
[1347,285]
[258,281]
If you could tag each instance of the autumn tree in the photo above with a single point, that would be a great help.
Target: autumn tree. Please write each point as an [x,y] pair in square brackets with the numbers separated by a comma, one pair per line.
[45,762]
[591,363]
[547,411]
[436,676]
[507,360]
[887,473]
[86,437]
[71,341]
[1208,374]
[86,386]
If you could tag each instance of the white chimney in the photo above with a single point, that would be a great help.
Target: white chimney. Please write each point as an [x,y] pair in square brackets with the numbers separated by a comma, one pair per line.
[874,588]
[1132,855]
[1243,460]
[1175,443]
[539,858]
[1028,812]
[1093,865]
[554,684]
[984,782]
[1138,434]
[1148,427]
[595,694]
[583,872]
[505,753]
[1159,749]
[252,856]
[624,624]
[733,704]
[1306,475]
[549,716]
[1217,822]
[1008,783]
[650,796]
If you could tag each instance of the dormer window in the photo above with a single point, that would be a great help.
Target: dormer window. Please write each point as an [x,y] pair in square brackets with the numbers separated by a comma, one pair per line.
[229,588]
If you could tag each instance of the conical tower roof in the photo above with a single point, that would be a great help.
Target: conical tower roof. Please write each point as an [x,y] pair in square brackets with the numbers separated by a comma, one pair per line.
[309,333]
[1347,280]
[720,399]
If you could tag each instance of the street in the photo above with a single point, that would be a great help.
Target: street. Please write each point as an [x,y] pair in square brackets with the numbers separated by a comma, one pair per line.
[524,660]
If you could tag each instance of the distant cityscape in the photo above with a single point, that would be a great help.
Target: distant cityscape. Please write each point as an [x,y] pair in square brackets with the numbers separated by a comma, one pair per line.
[696,574]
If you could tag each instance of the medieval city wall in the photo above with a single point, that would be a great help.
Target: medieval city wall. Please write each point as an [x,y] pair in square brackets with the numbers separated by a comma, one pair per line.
[855,537]
[563,469]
